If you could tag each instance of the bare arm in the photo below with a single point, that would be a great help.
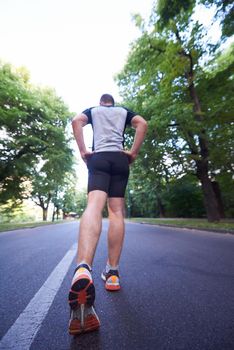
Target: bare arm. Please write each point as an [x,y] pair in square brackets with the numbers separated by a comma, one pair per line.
[78,123]
[140,125]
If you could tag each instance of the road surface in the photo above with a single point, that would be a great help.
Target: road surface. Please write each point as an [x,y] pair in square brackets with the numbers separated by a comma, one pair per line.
[177,290]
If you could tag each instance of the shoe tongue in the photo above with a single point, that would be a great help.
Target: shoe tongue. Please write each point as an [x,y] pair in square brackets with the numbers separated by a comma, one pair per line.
[113,272]
[84,266]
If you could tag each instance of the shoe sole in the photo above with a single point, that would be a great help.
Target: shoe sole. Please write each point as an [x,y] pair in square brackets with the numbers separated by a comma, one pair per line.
[87,323]
[110,287]
[81,298]
[82,292]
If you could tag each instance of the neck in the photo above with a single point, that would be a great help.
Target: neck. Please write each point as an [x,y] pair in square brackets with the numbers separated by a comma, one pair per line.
[106,104]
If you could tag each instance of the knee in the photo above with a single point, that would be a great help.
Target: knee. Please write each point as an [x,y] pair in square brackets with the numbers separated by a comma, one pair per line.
[116,208]
[96,201]
[116,213]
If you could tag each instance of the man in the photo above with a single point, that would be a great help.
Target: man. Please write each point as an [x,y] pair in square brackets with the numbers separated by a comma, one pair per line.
[108,166]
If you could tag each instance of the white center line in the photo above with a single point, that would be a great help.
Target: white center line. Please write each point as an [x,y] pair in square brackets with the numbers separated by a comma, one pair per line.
[22,333]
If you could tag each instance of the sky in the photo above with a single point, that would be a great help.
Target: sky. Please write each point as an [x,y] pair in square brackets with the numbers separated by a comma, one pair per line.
[73,46]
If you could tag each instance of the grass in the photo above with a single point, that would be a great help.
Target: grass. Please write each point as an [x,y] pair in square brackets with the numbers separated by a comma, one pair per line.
[14,226]
[203,224]
[222,226]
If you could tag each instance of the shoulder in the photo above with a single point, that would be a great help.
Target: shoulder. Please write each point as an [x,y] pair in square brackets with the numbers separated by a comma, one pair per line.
[129,114]
[88,113]
[88,110]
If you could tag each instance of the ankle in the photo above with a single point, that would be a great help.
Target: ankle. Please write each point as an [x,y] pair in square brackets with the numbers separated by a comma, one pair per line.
[84,264]
[111,267]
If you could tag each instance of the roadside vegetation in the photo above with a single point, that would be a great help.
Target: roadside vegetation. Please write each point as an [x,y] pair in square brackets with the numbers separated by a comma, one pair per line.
[180,78]
[16,226]
[223,226]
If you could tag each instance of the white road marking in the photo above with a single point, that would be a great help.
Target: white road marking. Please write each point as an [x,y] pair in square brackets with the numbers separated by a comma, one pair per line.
[22,333]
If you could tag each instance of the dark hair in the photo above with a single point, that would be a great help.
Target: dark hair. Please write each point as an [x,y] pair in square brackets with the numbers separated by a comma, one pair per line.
[106,98]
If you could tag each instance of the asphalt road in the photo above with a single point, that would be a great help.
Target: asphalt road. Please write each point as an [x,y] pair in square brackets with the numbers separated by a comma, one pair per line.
[177,290]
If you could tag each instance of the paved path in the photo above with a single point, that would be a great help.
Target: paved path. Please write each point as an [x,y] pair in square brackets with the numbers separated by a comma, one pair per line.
[177,290]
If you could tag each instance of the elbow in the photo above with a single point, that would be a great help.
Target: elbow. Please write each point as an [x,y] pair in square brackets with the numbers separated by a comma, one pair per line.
[145,126]
[74,120]
[79,120]
[75,124]
[140,124]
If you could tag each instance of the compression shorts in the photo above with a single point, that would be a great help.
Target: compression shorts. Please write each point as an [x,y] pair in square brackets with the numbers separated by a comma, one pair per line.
[108,172]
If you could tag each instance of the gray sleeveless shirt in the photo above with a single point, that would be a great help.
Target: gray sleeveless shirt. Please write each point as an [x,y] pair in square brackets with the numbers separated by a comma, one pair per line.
[108,123]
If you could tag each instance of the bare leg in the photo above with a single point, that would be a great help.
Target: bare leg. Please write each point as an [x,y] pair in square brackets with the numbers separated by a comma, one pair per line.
[116,229]
[91,226]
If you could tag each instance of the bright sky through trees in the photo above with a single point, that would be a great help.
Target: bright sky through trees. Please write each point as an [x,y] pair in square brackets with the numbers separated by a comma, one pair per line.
[74,46]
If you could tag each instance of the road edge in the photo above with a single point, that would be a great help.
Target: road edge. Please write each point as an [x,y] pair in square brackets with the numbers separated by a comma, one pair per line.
[185,227]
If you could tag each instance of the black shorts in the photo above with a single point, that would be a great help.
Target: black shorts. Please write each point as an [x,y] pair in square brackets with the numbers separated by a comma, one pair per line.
[108,172]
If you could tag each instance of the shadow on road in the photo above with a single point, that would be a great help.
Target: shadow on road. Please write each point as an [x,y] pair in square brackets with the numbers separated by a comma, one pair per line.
[91,341]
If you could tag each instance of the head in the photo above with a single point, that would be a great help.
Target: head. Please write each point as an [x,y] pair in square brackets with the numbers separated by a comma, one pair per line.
[107,100]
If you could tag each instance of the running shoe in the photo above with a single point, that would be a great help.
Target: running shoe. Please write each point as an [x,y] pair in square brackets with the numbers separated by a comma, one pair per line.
[81,299]
[112,280]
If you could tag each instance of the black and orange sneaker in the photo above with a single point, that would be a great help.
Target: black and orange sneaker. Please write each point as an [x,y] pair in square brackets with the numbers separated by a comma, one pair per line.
[112,280]
[81,299]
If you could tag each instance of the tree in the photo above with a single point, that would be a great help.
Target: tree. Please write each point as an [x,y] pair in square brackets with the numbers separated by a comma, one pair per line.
[32,126]
[35,146]
[163,73]
[183,198]
[19,145]
[68,198]
[57,159]
[74,201]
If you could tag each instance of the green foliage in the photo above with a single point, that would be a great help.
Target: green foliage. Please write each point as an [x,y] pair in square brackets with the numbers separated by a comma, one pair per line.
[183,198]
[15,213]
[70,199]
[224,13]
[17,155]
[169,11]
[172,9]
[183,85]
[34,142]
[217,95]
[225,181]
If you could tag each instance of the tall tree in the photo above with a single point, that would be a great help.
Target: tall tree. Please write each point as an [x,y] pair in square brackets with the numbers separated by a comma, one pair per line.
[33,136]
[19,144]
[57,159]
[164,70]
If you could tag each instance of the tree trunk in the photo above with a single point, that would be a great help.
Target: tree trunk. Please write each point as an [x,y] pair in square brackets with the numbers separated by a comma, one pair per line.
[53,216]
[210,200]
[218,195]
[45,212]
[57,213]
[160,208]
